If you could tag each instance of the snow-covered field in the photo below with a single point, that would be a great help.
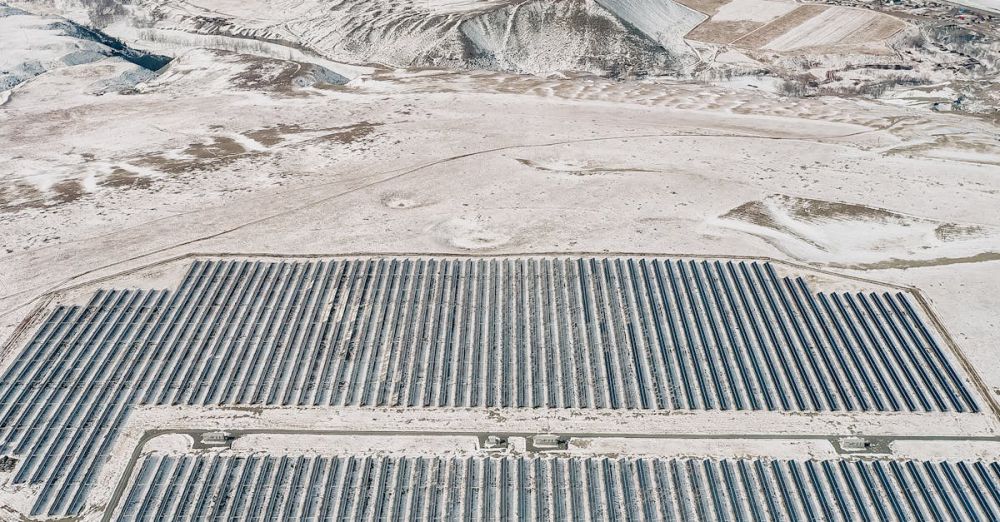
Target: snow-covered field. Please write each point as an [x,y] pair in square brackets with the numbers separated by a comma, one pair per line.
[788,27]
[279,147]
[831,27]
[752,10]
[810,229]
[986,5]
[378,165]
[664,21]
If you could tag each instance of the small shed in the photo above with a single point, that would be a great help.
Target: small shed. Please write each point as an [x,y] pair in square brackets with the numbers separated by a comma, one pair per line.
[546,441]
[215,438]
[493,442]
[854,444]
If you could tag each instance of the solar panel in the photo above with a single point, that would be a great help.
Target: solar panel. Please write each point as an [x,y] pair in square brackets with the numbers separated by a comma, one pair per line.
[610,333]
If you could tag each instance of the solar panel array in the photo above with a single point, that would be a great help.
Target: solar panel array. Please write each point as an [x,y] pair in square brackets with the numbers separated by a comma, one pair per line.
[347,488]
[625,333]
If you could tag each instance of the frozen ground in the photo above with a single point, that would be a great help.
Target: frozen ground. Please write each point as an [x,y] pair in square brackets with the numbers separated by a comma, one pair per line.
[988,5]
[438,161]
[215,156]
[249,148]
[33,45]
[839,47]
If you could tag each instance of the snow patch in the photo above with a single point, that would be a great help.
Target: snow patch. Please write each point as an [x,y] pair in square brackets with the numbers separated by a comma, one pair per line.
[985,5]
[752,10]
[664,21]
[573,35]
[470,234]
[173,443]
[177,42]
[848,234]
[33,45]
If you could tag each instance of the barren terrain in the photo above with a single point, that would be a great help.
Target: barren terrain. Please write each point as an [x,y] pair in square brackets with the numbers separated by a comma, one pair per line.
[281,129]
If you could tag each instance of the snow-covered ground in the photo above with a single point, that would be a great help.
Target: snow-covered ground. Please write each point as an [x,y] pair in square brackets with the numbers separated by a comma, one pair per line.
[815,229]
[177,42]
[752,10]
[664,21]
[986,5]
[234,149]
[457,162]
[394,431]
[532,36]
[33,45]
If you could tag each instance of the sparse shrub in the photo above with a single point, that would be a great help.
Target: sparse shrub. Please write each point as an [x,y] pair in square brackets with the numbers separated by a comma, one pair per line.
[876,89]
[912,38]
[793,88]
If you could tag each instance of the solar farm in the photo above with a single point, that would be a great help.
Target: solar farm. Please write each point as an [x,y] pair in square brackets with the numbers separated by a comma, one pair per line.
[261,487]
[203,398]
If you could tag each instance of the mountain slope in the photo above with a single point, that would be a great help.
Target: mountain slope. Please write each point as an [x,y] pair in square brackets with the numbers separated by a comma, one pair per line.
[613,37]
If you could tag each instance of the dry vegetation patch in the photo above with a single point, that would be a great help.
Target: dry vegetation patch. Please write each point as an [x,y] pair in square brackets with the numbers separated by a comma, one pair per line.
[125,179]
[848,234]
[780,26]
[708,7]
[723,33]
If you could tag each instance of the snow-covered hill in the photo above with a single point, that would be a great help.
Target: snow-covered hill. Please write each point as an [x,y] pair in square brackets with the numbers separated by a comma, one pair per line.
[608,37]
[32,45]
[540,37]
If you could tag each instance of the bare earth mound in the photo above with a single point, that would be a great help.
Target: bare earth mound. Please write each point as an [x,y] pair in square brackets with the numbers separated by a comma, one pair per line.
[848,234]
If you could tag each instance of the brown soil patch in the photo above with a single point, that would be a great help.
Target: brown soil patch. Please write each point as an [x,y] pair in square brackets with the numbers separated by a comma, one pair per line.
[878,29]
[819,210]
[757,213]
[271,136]
[219,152]
[19,196]
[954,231]
[351,133]
[67,191]
[776,210]
[809,210]
[903,264]
[779,26]
[753,212]
[722,32]
[709,7]
[219,147]
[284,77]
[180,166]
[264,74]
[124,179]
[346,135]
[957,142]
[165,164]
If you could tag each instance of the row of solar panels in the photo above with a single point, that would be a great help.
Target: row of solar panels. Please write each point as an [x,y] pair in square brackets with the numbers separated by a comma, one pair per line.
[591,333]
[65,418]
[347,488]
[578,333]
